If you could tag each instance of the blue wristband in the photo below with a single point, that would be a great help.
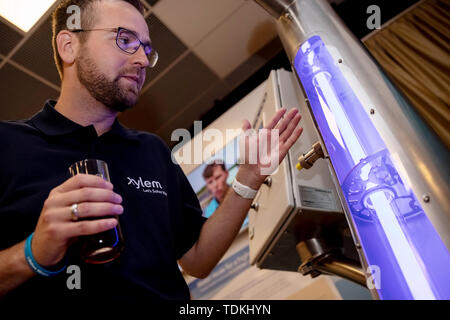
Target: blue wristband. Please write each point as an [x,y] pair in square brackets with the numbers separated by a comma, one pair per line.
[34,265]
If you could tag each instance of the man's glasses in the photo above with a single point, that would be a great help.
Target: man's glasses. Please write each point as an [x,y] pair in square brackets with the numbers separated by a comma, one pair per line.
[129,42]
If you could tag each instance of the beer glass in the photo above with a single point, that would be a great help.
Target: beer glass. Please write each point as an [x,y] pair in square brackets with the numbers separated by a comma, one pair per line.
[104,246]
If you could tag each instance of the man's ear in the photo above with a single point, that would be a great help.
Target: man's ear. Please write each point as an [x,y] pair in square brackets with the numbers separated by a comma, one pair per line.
[67,45]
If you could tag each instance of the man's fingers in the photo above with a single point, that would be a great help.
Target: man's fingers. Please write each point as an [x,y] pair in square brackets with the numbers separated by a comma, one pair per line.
[246,125]
[291,140]
[287,119]
[85,210]
[84,195]
[83,180]
[291,127]
[95,209]
[88,227]
[273,122]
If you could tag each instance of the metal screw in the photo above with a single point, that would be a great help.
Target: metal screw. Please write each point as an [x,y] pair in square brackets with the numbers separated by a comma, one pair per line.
[372,111]
[340,61]
[358,246]
[287,15]
[426,199]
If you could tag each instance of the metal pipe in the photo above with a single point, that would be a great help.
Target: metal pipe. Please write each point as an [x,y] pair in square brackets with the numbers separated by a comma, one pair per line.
[343,268]
[275,8]
[318,257]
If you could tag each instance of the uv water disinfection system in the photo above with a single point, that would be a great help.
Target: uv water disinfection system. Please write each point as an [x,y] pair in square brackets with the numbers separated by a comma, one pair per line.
[369,197]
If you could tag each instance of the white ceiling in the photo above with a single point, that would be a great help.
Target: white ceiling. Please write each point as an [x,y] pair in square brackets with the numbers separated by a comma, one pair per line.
[224,34]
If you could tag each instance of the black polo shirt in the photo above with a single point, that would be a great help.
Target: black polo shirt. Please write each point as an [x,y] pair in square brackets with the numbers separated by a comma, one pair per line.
[159,223]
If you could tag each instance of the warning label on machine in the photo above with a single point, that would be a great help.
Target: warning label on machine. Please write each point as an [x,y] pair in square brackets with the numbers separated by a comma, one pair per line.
[317,198]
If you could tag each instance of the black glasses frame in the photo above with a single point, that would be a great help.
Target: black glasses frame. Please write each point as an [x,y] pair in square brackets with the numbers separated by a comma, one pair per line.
[152,55]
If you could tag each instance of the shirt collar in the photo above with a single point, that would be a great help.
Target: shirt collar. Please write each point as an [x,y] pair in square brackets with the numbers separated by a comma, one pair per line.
[53,123]
[123,132]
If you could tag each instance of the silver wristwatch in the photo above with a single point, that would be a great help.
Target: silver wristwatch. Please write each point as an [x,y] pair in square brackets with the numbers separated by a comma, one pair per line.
[242,190]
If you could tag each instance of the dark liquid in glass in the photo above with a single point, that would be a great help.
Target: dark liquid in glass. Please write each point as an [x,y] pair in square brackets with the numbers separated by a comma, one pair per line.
[101,247]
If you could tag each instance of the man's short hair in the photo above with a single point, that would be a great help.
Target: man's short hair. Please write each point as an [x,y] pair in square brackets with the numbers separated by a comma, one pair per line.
[209,170]
[60,17]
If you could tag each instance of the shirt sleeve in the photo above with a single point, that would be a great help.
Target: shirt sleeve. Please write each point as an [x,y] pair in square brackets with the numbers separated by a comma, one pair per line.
[188,220]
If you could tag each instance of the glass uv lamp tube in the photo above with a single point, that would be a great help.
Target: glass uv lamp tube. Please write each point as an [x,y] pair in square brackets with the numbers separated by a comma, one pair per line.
[397,238]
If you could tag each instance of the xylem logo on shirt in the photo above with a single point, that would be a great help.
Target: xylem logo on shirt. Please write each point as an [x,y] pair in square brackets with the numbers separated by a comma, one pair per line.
[147,186]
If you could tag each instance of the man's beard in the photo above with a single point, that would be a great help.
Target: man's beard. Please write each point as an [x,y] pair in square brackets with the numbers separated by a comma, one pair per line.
[110,93]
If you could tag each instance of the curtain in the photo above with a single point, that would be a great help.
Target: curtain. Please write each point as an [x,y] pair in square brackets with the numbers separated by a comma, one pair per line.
[414,50]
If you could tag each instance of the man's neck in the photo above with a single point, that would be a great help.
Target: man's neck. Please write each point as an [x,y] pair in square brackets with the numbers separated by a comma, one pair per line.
[79,106]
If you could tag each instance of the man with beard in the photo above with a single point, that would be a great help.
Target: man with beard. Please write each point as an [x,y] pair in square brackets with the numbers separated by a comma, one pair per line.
[102,66]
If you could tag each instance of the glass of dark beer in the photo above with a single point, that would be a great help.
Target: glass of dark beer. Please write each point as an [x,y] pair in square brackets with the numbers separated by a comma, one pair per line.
[105,246]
